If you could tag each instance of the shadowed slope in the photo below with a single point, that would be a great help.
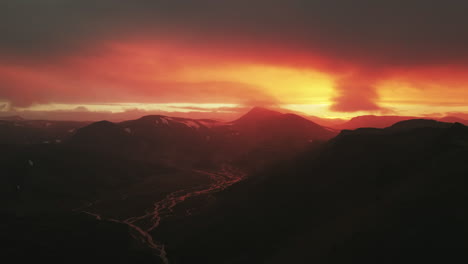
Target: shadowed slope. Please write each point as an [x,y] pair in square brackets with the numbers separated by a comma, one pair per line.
[396,197]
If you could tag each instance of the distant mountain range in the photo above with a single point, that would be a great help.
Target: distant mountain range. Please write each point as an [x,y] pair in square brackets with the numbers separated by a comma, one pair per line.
[11,118]
[386,121]
[255,138]
[19,131]
[335,123]
[258,135]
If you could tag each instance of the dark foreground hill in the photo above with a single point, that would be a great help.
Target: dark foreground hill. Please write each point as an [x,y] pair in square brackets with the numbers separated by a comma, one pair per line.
[47,190]
[371,121]
[69,238]
[368,196]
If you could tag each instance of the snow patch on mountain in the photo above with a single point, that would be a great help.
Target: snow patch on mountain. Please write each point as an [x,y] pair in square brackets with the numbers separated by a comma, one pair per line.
[165,120]
[191,124]
[210,123]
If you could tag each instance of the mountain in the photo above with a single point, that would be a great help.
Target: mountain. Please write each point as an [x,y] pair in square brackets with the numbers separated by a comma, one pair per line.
[104,136]
[260,123]
[418,123]
[262,136]
[11,118]
[454,119]
[257,137]
[398,196]
[164,130]
[173,138]
[258,114]
[149,138]
[19,131]
[372,121]
[402,126]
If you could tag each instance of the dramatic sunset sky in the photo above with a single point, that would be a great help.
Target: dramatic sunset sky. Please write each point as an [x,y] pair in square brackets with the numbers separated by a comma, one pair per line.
[328,58]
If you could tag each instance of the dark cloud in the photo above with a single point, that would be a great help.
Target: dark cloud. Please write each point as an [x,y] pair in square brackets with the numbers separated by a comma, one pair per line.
[383,32]
[24,94]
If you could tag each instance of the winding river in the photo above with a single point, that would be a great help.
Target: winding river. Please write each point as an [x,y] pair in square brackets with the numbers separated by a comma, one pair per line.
[144,224]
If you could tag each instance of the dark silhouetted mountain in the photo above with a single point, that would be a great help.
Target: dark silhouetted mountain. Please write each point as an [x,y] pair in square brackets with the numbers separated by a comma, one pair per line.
[37,131]
[11,118]
[372,121]
[393,197]
[165,122]
[164,130]
[401,126]
[258,114]
[172,138]
[104,136]
[454,119]
[261,123]
[262,136]
[257,137]
[418,123]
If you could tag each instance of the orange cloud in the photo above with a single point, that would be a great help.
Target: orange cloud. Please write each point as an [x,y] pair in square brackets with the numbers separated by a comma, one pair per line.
[147,71]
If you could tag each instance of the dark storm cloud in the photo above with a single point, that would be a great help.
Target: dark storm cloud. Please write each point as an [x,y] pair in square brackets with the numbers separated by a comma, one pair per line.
[383,32]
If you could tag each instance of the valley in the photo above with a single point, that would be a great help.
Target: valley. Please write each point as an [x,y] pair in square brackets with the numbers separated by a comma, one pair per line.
[142,226]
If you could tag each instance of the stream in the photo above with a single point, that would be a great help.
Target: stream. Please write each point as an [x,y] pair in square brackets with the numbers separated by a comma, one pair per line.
[144,224]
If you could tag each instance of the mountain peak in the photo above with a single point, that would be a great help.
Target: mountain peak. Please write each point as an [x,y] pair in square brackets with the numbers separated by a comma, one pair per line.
[99,134]
[258,113]
[262,111]
[101,124]
[100,128]
[150,117]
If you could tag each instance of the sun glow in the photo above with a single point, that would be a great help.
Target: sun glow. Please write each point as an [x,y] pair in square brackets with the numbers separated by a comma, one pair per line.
[288,85]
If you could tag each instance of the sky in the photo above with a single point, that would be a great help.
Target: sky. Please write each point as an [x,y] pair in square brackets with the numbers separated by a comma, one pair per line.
[88,59]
